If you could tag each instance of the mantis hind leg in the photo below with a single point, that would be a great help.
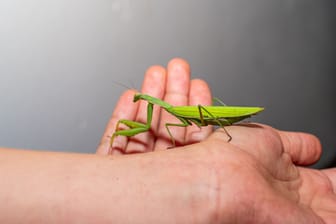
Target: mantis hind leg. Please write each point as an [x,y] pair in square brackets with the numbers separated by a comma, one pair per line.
[220,122]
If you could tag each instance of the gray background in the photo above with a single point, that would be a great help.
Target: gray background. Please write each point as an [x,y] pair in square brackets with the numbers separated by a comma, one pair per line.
[59,61]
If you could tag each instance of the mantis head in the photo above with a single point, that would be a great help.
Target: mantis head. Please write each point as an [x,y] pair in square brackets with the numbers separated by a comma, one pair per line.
[137,97]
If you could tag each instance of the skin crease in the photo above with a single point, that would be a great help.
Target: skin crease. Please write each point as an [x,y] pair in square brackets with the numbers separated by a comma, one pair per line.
[276,186]
[257,177]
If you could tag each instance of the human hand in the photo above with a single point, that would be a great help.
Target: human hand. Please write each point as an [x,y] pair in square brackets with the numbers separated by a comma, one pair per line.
[258,178]
[174,86]
[255,178]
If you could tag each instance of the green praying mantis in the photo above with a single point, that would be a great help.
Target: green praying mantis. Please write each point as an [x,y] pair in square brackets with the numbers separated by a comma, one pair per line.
[199,115]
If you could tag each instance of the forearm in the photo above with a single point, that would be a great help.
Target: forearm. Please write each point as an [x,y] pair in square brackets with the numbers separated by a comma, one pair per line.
[46,187]
[41,187]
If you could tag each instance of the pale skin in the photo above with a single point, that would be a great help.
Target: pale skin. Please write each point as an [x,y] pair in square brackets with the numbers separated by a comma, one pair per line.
[257,177]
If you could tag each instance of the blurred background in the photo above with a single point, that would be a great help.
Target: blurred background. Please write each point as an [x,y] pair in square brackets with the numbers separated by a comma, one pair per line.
[60,60]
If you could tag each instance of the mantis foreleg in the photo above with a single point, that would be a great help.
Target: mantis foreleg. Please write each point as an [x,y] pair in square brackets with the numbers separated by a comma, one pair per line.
[134,127]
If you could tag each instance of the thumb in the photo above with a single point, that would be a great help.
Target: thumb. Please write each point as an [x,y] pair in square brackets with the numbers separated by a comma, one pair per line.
[305,149]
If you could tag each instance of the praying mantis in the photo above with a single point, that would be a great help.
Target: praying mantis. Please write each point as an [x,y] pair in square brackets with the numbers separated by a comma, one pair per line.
[199,115]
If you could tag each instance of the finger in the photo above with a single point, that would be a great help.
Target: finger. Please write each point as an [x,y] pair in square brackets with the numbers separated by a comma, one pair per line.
[292,147]
[154,85]
[177,92]
[305,149]
[125,109]
[199,94]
